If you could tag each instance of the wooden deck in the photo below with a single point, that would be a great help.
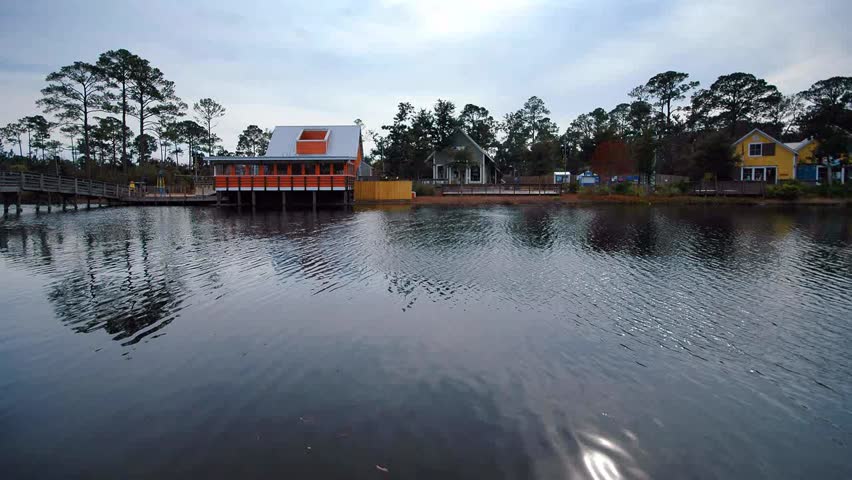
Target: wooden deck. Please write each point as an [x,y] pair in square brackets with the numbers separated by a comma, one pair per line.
[729,187]
[69,190]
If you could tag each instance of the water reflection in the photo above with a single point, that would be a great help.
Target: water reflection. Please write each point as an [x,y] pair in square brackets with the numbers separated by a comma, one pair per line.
[455,343]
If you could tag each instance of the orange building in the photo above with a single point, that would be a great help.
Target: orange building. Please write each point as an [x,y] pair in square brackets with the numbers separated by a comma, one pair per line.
[303,164]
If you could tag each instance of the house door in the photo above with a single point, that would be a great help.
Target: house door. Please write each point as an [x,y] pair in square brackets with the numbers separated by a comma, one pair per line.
[771,175]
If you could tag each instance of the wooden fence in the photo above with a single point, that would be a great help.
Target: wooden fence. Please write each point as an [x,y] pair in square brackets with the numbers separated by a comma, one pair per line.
[383,191]
[728,187]
[505,189]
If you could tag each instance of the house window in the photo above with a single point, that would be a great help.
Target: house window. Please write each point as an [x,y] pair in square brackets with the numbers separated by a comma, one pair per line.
[338,168]
[760,174]
[474,173]
[755,149]
[441,171]
[325,168]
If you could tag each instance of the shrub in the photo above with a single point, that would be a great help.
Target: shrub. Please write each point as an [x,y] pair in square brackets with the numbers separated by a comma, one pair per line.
[622,188]
[573,187]
[785,191]
[424,189]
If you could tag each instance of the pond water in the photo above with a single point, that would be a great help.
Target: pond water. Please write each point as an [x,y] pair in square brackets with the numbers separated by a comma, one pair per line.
[504,342]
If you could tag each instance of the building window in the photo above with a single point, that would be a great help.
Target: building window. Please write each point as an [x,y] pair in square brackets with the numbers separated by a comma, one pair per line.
[325,168]
[474,173]
[755,149]
[241,169]
[441,171]
[339,168]
[760,174]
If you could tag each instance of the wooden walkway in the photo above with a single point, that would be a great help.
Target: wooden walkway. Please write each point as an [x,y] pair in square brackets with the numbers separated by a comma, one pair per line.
[71,190]
[503,189]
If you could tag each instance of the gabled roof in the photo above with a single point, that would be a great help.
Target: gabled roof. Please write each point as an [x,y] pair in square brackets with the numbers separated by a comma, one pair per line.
[799,145]
[765,135]
[473,142]
[343,141]
[343,144]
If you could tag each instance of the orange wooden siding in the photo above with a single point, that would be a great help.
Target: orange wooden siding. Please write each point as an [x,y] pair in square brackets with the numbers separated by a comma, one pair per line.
[261,182]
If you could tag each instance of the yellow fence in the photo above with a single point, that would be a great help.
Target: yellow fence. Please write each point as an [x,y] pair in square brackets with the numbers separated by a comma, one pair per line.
[383,191]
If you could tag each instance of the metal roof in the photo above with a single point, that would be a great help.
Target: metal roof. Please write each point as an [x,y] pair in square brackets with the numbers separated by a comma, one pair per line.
[343,141]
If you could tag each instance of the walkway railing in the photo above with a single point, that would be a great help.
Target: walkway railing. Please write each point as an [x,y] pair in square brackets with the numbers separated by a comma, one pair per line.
[728,187]
[34,182]
[504,189]
[283,182]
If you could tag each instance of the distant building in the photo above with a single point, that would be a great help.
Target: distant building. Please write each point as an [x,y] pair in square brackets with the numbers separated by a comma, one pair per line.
[317,159]
[480,168]
[767,159]
[365,170]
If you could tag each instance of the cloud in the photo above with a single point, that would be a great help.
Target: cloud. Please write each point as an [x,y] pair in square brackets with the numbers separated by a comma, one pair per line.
[273,63]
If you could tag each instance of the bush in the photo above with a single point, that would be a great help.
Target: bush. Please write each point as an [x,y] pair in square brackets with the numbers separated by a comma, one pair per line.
[785,191]
[836,189]
[621,188]
[424,189]
[573,187]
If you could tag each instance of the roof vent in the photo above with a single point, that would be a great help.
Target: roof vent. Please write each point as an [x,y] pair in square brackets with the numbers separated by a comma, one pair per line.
[312,142]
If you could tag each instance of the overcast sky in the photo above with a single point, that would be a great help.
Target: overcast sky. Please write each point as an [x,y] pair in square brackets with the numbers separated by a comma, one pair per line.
[278,63]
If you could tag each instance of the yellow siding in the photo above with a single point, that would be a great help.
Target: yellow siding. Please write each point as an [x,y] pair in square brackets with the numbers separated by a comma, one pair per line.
[806,153]
[382,191]
[783,158]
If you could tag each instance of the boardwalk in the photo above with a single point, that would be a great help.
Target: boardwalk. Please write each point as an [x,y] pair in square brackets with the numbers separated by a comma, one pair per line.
[502,189]
[70,190]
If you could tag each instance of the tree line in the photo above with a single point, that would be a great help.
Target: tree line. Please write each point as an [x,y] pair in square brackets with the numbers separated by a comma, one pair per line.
[669,125]
[119,113]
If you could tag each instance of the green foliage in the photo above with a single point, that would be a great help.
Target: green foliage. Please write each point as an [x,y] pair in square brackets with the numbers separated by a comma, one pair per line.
[785,191]
[713,155]
[573,187]
[252,141]
[623,188]
[734,98]
[480,125]
[206,112]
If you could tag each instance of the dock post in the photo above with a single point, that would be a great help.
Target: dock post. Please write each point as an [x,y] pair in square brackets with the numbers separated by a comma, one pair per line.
[239,199]
[283,201]
[88,203]
[18,202]
[253,201]
[49,202]
[314,197]
[218,199]
[5,205]
[75,202]
[64,204]
[38,202]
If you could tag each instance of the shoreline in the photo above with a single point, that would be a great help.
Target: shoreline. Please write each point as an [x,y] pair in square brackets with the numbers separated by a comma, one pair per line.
[591,199]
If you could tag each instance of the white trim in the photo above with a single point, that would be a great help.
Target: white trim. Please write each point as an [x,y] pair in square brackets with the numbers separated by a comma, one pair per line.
[768,136]
[763,168]
[761,150]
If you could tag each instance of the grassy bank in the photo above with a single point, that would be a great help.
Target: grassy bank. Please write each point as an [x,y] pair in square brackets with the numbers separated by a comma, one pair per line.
[592,199]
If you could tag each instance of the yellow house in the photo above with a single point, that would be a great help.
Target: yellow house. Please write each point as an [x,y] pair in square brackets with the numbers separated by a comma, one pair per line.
[766,159]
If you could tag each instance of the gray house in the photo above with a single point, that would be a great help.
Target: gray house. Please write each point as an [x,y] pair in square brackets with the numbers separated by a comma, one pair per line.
[479,169]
